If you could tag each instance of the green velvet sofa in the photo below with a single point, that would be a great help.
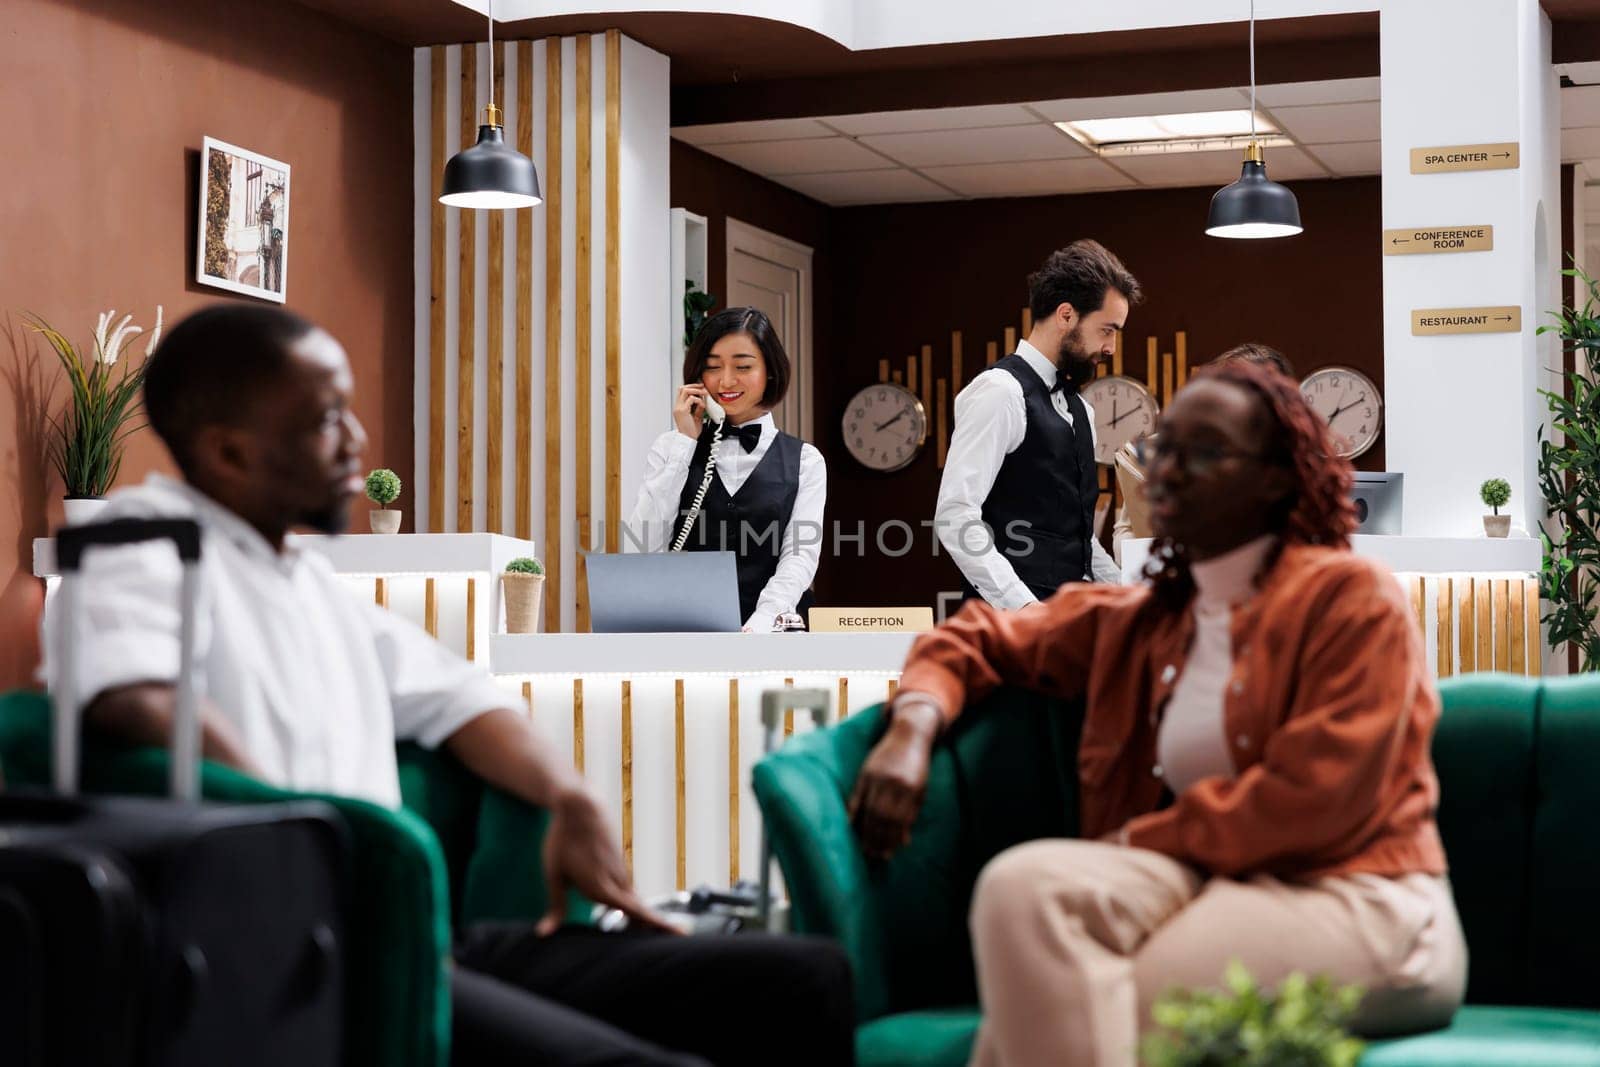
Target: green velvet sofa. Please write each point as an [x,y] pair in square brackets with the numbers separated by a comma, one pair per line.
[1519,764]
[456,853]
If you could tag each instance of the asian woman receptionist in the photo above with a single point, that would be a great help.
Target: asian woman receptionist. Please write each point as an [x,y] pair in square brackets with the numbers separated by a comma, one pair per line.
[726,478]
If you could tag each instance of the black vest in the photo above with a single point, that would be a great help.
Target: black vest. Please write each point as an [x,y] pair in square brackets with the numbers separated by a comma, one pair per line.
[750,522]
[1041,507]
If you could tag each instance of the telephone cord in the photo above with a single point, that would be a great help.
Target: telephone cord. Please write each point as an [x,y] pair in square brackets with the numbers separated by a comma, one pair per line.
[700,494]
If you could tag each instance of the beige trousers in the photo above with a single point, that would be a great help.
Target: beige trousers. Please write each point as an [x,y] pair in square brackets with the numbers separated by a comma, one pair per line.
[1075,940]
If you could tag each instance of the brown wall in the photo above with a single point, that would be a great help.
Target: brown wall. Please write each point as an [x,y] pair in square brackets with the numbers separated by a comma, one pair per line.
[104,104]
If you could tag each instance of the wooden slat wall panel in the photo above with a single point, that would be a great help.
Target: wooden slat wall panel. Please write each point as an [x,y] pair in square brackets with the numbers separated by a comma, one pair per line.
[527,697]
[940,434]
[613,288]
[1482,596]
[552,338]
[1183,358]
[466,306]
[955,362]
[1152,375]
[1468,658]
[577,724]
[1535,632]
[494,438]
[1516,617]
[430,607]
[883,370]
[436,353]
[522,462]
[380,592]
[844,698]
[1418,605]
[1446,610]
[472,617]
[583,327]
[1502,626]
[1011,340]
[927,379]
[912,381]
[991,352]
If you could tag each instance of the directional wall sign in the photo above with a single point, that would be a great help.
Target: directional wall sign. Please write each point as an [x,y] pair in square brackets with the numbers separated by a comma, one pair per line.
[1429,322]
[1424,239]
[1502,156]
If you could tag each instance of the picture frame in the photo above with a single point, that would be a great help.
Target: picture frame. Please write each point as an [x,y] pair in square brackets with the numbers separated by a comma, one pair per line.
[242,230]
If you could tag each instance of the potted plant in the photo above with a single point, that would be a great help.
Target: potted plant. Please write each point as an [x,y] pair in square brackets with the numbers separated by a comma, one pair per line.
[1300,1024]
[523,587]
[1494,493]
[383,489]
[88,437]
[697,303]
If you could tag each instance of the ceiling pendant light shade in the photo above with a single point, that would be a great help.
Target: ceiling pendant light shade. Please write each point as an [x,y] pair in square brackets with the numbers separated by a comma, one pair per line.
[1254,206]
[490,174]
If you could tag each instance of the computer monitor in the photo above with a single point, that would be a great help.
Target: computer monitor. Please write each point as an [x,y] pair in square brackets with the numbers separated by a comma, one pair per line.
[1377,496]
[663,592]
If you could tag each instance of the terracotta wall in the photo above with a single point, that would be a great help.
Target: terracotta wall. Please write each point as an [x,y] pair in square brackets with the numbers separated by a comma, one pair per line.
[104,104]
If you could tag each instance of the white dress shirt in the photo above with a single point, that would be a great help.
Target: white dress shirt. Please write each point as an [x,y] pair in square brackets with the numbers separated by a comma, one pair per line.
[316,681]
[991,423]
[654,521]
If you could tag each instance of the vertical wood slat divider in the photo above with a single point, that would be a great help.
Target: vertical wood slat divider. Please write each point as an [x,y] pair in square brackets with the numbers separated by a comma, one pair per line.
[577,724]
[1027,321]
[1502,625]
[942,438]
[627,773]
[899,377]
[583,328]
[844,699]
[927,377]
[494,446]
[893,688]
[911,374]
[1152,372]
[527,697]
[788,713]
[522,461]
[1446,609]
[1116,354]
[466,306]
[678,783]
[1011,339]
[883,370]
[436,353]
[733,780]
[430,607]
[472,619]
[1467,660]
[990,354]
[1418,605]
[1516,618]
[955,362]
[380,592]
[1535,631]
[554,559]
[1183,358]
[1483,595]
[613,289]
[1166,379]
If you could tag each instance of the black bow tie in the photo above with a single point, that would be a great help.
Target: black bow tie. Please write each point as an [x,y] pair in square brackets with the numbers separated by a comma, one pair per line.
[748,435]
[1061,384]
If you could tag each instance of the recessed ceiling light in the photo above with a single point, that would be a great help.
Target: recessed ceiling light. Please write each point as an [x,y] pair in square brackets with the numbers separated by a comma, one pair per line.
[1192,131]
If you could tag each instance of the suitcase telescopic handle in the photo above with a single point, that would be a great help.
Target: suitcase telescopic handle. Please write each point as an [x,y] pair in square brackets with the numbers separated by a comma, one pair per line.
[774,704]
[71,544]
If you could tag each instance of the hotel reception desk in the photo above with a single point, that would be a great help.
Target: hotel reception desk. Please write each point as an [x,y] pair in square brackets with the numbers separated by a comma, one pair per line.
[666,726]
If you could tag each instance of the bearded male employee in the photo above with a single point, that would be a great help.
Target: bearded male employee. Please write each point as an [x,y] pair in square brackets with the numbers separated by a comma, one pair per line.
[308,686]
[1021,459]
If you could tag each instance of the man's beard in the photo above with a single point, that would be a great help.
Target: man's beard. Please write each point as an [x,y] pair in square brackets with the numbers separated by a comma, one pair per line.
[1076,361]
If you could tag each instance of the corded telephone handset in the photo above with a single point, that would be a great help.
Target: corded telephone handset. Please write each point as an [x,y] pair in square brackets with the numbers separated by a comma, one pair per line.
[711,412]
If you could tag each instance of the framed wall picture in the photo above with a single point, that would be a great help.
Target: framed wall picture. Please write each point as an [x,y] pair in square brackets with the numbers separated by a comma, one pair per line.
[243,239]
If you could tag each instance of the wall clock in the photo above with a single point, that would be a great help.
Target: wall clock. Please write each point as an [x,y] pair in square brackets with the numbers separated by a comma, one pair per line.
[1351,405]
[885,426]
[1124,411]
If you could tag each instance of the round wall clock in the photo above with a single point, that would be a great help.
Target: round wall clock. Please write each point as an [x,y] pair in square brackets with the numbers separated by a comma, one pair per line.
[1350,403]
[885,426]
[1124,411]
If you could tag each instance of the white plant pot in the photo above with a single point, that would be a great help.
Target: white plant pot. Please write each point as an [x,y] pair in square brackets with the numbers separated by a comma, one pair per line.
[385,520]
[1496,525]
[82,509]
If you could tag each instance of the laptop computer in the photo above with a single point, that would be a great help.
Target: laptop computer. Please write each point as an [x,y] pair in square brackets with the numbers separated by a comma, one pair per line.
[1377,496]
[663,592]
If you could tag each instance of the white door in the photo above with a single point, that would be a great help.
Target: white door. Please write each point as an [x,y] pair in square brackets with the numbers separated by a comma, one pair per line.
[774,274]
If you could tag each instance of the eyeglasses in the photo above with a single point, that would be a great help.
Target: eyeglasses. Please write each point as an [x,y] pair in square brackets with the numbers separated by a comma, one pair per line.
[1196,460]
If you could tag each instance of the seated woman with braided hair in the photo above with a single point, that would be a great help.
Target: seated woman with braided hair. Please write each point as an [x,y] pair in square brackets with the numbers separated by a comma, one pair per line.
[1254,766]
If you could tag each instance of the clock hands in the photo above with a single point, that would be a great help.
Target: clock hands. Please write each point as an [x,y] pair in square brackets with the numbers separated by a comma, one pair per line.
[1115,418]
[1341,410]
[885,425]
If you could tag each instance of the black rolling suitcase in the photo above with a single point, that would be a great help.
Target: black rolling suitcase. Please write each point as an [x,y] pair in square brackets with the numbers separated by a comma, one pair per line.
[165,932]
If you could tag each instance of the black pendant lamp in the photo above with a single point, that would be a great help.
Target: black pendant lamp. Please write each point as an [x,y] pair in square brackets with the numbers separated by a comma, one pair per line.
[490,174]
[1254,206]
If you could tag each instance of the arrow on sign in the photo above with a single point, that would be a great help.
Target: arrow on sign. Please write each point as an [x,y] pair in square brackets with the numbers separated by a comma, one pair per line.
[1502,155]
[1502,318]
[1400,240]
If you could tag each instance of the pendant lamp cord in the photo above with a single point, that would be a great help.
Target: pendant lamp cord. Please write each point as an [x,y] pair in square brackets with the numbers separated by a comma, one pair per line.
[491,55]
[1252,67]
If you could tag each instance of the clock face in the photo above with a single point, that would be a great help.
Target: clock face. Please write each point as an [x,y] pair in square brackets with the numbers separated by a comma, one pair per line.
[1124,411]
[885,426]
[1350,403]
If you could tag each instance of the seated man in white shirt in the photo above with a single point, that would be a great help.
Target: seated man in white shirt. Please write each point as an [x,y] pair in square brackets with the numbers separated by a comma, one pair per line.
[308,686]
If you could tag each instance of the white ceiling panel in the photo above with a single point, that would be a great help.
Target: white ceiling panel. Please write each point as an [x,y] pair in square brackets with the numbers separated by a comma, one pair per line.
[808,156]
[1033,179]
[1003,144]
[1300,94]
[1580,106]
[866,187]
[944,118]
[1330,123]
[1580,144]
[1217,168]
[769,130]
[1114,107]
[1348,160]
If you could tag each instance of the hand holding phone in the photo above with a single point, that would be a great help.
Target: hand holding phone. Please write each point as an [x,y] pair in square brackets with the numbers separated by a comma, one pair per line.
[693,408]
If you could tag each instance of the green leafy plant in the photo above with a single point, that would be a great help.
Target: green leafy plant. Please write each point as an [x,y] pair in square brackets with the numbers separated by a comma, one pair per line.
[1569,479]
[383,487]
[1494,493]
[1301,1024]
[524,565]
[88,437]
[697,303]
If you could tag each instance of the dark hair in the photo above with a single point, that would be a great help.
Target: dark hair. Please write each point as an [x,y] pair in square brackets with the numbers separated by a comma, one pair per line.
[1317,512]
[752,321]
[208,368]
[1079,274]
[1253,352]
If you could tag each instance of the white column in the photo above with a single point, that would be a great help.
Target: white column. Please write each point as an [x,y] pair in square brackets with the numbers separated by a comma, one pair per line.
[1464,408]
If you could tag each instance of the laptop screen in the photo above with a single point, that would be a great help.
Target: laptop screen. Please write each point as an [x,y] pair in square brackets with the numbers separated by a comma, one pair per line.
[663,592]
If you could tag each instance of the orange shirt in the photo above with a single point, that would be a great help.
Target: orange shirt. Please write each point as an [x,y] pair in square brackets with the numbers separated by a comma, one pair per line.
[1328,714]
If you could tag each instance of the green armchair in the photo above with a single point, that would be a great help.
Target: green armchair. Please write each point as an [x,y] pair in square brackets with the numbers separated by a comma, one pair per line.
[1519,764]
[456,853]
